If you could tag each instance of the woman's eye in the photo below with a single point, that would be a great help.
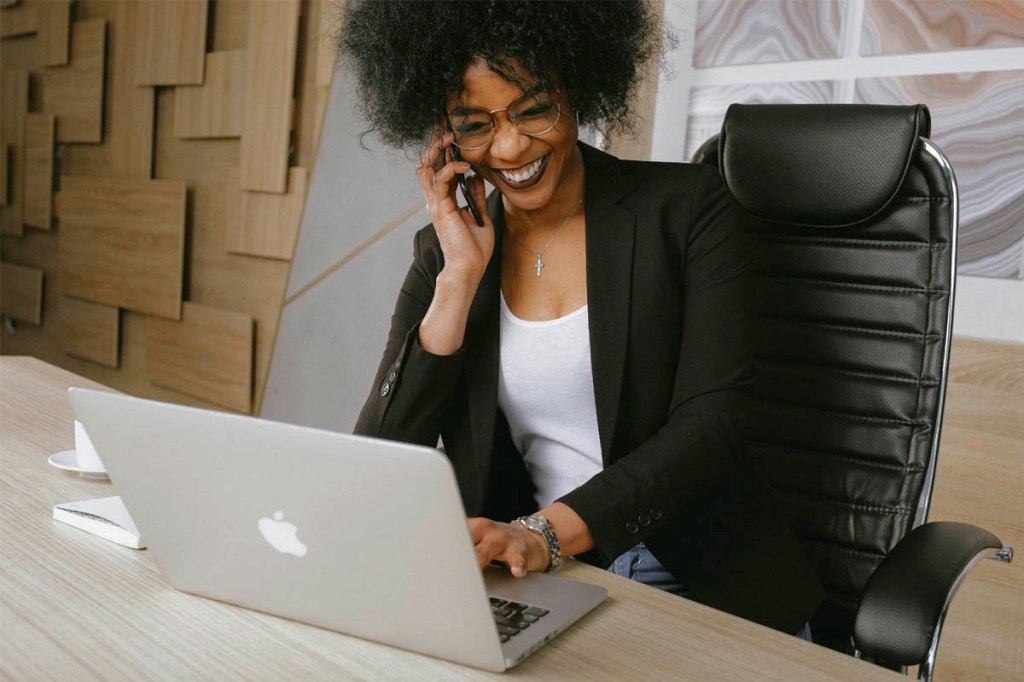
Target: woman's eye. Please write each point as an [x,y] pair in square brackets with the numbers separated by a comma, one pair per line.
[536,110]
[470,127]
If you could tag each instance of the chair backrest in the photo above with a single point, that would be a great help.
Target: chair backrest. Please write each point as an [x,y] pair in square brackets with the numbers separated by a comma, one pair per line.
[854,217]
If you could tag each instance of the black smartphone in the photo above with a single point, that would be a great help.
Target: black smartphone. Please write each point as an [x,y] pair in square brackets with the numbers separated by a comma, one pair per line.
[464,185]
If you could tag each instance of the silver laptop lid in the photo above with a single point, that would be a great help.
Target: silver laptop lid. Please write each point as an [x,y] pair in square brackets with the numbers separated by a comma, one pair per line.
[358,549]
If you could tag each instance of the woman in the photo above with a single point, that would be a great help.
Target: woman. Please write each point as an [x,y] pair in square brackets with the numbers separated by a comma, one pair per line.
[583,354]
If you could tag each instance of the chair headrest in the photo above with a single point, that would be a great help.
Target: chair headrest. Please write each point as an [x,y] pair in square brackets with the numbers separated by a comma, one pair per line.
[825,165]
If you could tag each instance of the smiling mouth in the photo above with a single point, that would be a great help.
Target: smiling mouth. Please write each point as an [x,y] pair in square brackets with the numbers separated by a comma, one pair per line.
[526,176]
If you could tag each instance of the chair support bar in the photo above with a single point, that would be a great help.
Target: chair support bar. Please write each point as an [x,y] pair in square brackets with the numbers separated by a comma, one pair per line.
[1003,554]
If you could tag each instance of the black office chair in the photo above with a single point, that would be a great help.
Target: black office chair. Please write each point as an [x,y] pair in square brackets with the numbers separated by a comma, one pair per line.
[854,222]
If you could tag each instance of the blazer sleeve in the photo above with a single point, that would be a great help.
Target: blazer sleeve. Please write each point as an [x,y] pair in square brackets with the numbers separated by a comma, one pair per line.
[696,450]
[412,386]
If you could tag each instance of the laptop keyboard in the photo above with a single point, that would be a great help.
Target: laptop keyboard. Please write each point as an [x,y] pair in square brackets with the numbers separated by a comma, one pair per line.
[512,617]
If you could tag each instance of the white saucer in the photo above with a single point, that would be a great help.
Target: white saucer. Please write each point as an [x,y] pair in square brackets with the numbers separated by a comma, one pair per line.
[68,461]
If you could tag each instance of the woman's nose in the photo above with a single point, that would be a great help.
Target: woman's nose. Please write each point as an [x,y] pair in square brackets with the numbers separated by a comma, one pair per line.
[508,144]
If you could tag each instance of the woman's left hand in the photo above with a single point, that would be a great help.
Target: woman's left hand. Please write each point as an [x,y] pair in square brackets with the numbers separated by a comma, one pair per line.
[510,543]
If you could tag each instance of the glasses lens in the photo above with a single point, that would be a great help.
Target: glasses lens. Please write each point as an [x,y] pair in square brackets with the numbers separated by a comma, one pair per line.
[472,127]
[534,114]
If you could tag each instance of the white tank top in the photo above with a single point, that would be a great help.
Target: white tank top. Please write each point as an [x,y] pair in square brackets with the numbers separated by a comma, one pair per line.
[546,391]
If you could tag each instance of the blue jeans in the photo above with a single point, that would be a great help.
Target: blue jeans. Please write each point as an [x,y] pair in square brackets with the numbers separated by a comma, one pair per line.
[640,565]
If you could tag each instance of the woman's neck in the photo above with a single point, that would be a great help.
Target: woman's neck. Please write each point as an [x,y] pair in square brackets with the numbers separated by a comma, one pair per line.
[551,215]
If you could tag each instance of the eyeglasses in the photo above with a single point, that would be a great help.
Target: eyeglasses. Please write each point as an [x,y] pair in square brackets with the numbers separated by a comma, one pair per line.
[532,114]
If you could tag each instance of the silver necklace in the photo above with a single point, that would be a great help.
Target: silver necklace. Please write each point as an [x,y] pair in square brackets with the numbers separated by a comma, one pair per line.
[540,261]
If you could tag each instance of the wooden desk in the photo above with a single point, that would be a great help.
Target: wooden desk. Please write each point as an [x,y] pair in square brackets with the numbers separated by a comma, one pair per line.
[75,606]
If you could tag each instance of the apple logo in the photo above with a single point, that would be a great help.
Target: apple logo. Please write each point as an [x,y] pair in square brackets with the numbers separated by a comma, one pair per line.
[281,535]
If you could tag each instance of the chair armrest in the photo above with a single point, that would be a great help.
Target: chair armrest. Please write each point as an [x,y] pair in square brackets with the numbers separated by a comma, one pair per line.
[905,600]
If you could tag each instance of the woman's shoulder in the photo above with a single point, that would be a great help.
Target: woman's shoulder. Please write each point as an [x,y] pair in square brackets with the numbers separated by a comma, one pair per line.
[652,179]
[671,177]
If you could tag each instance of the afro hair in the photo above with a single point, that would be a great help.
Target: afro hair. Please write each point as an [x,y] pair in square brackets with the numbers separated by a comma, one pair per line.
[409,56]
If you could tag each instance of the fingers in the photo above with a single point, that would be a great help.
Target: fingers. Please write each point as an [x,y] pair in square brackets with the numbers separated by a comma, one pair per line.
[478,195]
[508,543]
[436,167]
[437,173]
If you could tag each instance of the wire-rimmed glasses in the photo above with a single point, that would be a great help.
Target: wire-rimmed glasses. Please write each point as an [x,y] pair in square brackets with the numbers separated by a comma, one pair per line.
[533,114]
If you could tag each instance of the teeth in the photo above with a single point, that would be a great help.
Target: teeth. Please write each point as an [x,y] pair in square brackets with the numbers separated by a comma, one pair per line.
[524,174]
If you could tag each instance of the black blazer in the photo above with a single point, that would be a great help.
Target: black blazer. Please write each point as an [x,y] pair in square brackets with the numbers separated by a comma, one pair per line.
[672,364]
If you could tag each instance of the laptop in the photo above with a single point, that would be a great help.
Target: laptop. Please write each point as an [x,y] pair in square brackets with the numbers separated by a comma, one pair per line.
[362,536]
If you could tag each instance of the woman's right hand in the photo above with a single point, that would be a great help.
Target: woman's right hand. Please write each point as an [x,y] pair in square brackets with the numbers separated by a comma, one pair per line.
[467,247]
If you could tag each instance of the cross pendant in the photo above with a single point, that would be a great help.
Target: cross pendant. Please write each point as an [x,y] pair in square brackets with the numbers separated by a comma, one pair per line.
[539,265]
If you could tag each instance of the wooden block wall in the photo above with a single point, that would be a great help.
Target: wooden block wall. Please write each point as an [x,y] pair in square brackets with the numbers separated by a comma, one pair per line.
[38,183]
[21,293]
[74,93]
[269,82]
[13,108]
[90,330]
[113,127]
[122,242]
[171,42]
[213,109]
[53,23]
[5,172]
[18,20]
[208,354]
[263,223]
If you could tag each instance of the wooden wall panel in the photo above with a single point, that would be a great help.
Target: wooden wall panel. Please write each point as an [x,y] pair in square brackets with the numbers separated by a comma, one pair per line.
[213,109]
[39,137]
[266,224]
[13,109]
[18,20]
[317,58]
[171,42]
[53,32]
[319,39]
[74,93]
[122,242]
[21,293]
[269,84]
[207,354]
[90,331]
[131,109]
[5,172]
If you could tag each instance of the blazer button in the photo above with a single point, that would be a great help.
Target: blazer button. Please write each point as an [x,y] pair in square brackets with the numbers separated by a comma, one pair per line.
[644,519]
[632,528]
[385,388]
[392,375]
[655,514]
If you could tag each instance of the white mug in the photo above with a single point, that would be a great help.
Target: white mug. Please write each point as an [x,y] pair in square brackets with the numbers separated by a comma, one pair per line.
[88,458]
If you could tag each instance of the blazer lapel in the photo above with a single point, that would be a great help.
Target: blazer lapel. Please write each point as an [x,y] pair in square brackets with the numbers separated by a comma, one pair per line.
[611,230]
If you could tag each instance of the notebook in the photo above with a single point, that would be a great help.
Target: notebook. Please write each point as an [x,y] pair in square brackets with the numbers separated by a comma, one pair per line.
[106,517]
[363,536]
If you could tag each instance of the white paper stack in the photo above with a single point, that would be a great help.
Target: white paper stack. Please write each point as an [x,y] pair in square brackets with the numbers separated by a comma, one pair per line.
[106,517]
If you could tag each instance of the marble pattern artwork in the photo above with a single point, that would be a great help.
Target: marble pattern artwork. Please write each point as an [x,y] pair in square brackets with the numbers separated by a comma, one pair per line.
[978,121]
[754,31]
[709,103]
[901,26]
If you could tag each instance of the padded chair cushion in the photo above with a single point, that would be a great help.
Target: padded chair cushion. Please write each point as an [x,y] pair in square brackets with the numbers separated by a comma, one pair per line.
[802,164]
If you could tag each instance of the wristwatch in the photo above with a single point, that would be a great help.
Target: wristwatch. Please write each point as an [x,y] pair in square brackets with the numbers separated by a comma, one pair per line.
[539,524]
